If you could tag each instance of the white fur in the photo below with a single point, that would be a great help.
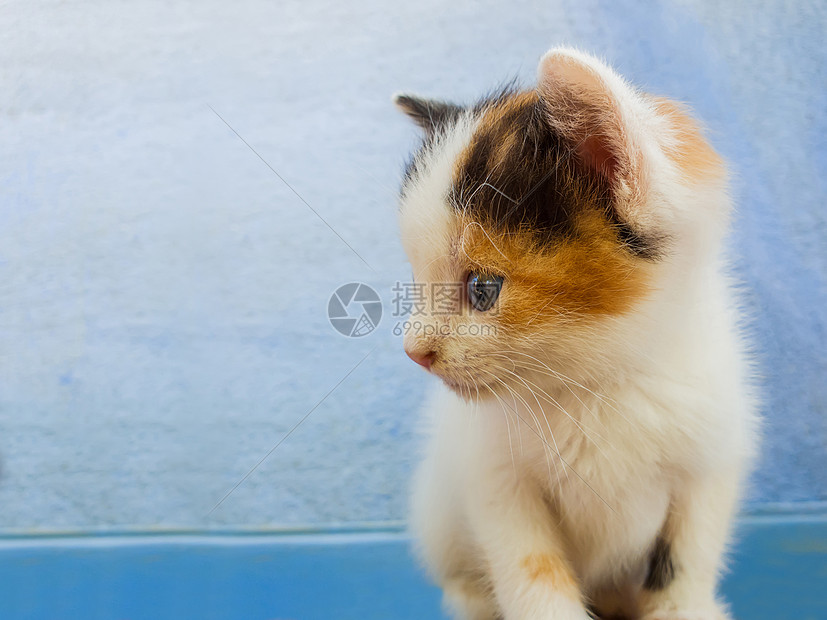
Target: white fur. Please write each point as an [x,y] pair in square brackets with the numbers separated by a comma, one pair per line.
[654,420]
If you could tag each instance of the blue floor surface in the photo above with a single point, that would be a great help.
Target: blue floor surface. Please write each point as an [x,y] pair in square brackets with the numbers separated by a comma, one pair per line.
[779,571]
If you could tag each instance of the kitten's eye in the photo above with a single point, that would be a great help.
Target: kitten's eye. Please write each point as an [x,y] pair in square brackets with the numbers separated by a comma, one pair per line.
[483,290]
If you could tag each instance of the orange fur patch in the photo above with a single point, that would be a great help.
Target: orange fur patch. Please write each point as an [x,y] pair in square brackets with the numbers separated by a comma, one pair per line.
[552,570]
[589,274]
[692,153]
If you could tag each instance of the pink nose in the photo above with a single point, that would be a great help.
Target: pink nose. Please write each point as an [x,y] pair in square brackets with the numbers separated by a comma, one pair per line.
[423,359]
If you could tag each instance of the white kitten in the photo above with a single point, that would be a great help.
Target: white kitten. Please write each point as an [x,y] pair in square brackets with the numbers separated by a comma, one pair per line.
[588,453]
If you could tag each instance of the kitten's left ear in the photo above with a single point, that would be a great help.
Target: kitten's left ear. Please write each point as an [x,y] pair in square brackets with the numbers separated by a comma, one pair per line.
[626,136]
[429,114]
[594,110]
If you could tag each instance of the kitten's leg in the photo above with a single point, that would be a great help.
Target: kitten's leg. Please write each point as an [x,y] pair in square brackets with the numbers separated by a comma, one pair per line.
[443,540]
[470,598]
[531,577]
[687,558]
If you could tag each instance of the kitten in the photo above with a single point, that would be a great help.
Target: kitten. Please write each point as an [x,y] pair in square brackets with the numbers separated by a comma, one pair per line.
[588,452]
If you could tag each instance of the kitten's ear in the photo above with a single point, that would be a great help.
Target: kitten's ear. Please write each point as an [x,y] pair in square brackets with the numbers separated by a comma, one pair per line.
[617,131]
[592,108]
[429,114]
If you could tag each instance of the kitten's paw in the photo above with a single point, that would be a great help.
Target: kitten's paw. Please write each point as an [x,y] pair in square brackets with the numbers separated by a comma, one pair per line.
[466,600]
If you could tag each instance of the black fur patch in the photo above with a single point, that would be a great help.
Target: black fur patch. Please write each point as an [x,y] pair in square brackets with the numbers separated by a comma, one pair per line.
[639,245]
[519,175]
[661,568]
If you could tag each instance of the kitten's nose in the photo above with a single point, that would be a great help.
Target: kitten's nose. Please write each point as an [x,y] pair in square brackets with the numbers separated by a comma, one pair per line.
[423,359]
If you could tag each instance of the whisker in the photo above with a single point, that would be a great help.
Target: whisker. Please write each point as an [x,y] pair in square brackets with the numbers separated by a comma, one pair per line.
[554,402]
[539,369]
[515,396]
[583,480]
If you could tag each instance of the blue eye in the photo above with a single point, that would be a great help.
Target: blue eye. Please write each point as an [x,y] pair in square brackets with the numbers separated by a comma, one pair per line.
[483,290]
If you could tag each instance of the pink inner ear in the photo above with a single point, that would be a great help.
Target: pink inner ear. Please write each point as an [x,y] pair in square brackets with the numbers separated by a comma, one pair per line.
[595,153]
[583,108]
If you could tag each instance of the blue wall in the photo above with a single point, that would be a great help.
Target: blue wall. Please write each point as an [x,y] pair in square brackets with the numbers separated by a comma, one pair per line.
[163,294]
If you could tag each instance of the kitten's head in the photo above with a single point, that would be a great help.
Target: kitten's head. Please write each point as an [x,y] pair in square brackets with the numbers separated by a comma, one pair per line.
[567,217]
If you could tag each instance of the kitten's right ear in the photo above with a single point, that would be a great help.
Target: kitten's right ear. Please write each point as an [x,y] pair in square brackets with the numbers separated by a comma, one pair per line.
[429,114]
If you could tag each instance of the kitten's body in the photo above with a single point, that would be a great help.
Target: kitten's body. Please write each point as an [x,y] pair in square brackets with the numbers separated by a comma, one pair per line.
[590,453]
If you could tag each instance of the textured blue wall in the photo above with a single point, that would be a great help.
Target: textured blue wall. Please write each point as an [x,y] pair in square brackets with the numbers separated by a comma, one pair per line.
[163,294]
